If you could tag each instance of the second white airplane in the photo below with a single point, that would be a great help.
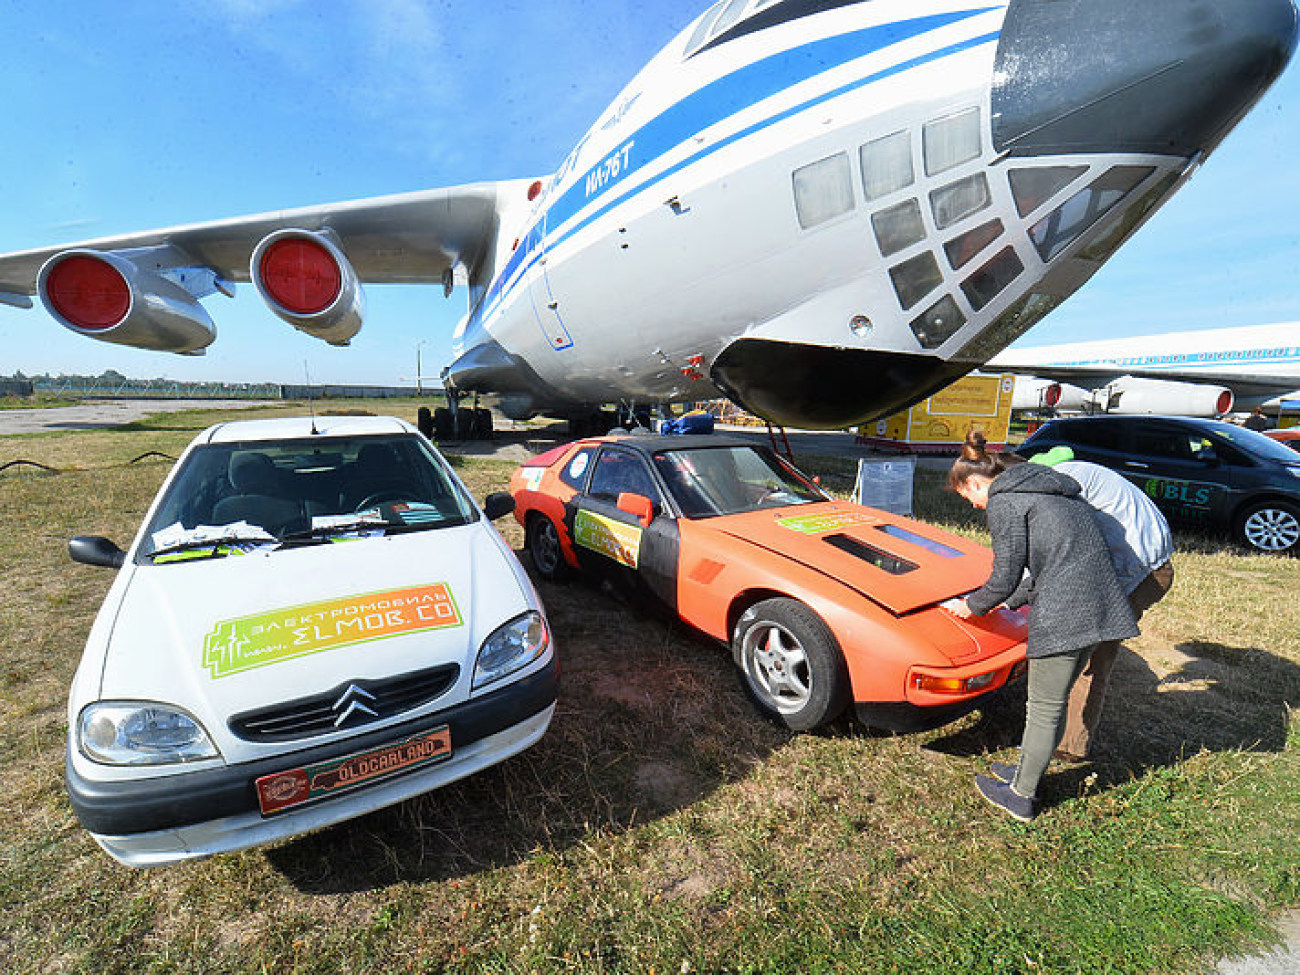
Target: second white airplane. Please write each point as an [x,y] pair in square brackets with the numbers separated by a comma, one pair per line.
[824,209]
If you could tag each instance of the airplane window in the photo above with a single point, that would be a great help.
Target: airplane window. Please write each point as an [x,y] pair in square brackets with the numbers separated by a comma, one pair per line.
[959,200]
[939,323]
[898,227]
[915,278]
[1108,241]
[823,190]
[886,165]
[728,17]
[1009,326]
[962,249]
[951,141]
[1034,187]
[1062,226]
[990,280]
[702,29]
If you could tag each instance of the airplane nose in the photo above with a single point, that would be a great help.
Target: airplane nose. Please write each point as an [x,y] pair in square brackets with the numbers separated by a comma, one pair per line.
[1159,76]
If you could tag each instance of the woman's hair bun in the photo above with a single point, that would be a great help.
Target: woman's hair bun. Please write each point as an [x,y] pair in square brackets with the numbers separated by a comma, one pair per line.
[973,449]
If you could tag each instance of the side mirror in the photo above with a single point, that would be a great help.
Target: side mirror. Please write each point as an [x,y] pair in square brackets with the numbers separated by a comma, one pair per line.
[639,505]
[96,550]
[498,504]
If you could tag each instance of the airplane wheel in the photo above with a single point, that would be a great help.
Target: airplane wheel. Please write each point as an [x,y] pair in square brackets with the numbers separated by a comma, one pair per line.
[1271,527]
[544,549]
[442,425]
[482,424]
[790,664]
[463,422]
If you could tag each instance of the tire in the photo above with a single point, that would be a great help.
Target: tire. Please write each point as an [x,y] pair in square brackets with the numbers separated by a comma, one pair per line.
[546,553]
[790,664]
[482,424]
[1270,527]
[442,425]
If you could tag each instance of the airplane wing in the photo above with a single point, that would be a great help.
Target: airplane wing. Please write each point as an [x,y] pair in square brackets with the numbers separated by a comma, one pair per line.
[1243,384]
[400,239]
[144,289]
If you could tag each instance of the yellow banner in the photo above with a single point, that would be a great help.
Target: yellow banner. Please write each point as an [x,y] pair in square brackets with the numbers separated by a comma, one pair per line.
[266,638]
[619,541]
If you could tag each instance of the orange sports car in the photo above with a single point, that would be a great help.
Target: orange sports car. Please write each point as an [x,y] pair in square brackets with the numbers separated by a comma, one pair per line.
[825,603]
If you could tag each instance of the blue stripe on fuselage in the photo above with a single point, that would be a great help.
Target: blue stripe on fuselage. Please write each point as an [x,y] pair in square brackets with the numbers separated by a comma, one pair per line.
[720,100]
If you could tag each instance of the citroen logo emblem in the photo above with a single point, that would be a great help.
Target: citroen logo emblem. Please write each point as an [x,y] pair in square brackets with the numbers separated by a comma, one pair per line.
[354,700]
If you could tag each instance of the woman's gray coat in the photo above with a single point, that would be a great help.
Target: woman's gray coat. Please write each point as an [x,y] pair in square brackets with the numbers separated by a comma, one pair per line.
[1039,523]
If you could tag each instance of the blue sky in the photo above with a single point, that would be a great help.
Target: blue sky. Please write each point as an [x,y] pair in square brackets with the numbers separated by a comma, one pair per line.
[144,113]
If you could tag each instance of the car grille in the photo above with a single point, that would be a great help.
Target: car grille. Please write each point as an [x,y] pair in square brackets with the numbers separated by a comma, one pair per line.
[349,705]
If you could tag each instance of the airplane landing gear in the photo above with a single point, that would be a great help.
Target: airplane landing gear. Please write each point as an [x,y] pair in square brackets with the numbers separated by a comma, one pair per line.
[457,422]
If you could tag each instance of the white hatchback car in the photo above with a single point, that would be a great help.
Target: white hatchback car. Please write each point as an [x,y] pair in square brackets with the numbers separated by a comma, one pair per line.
[314,622]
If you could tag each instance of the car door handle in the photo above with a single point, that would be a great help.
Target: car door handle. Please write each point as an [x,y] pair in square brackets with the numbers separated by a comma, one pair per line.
[1137,464]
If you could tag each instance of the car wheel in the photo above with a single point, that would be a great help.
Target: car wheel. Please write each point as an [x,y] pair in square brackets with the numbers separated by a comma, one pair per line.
[1270,526]
[545,550]
[790,663]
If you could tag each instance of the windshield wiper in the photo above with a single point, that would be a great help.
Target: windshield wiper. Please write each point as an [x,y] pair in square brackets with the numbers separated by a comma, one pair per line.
[216,547]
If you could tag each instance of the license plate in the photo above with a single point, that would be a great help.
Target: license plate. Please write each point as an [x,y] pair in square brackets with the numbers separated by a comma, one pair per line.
[281,790]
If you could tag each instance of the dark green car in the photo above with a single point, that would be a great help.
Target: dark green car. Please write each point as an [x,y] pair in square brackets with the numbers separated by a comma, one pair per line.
[1199,472]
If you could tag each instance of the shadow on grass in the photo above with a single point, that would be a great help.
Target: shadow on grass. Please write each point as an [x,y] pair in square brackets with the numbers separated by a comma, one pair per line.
[650,720]
[1213,698]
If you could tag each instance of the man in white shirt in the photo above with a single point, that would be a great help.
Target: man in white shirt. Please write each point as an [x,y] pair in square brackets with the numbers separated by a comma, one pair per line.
[1140,549]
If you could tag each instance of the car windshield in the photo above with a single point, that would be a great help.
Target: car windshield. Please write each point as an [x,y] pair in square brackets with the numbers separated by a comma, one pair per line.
[228,497]
[1255,443]
[708,481]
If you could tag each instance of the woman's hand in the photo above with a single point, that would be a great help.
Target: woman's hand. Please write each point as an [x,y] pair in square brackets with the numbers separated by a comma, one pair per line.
[958,607]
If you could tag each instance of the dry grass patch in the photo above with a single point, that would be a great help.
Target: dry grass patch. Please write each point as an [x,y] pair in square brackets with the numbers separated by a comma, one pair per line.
[661,821]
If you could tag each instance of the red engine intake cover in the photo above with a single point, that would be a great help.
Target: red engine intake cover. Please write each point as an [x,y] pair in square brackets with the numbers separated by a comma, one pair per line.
[88,292]
[300,275]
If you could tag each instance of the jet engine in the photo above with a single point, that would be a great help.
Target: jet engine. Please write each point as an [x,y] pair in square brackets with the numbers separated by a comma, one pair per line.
[1041,394]
[305,278]
[1130,395]
[108,296]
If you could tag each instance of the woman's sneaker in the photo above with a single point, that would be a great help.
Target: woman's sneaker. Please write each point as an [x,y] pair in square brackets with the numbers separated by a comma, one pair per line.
[1001,794]
[1003,771]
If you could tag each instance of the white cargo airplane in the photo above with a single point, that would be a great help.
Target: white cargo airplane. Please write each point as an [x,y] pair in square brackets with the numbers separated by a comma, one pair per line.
[825,209]
[1199,373]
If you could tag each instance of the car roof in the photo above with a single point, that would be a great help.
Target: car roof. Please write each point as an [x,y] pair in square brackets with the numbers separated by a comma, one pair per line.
[303,427]
[654,443]
[1196,421]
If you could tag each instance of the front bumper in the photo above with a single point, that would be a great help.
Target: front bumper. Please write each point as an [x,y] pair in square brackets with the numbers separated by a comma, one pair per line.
[167,819]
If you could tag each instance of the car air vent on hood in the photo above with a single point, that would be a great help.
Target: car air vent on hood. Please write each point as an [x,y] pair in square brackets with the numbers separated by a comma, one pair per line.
[870,554]
[355,703]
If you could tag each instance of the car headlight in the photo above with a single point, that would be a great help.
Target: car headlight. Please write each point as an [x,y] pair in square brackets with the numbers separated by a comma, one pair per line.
[510,647]
[138,733]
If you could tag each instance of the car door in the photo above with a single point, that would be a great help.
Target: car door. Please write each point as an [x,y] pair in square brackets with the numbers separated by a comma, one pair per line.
[1180,470]
[613,543]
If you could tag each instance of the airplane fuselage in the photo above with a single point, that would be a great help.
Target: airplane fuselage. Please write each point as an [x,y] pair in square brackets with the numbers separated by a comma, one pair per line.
[826,216]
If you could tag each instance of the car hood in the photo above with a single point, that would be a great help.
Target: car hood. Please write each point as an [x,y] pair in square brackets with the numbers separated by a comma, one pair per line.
[901,564]
[223,636]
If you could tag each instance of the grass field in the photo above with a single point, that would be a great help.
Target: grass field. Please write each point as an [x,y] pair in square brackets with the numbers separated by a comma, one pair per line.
[662,825]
